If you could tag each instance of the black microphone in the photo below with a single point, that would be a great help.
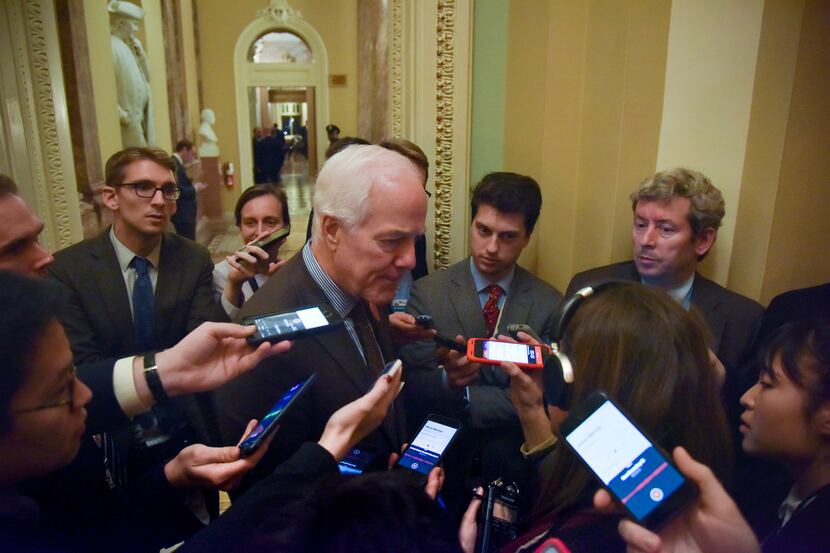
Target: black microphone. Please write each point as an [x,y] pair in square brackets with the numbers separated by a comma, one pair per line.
[514,329]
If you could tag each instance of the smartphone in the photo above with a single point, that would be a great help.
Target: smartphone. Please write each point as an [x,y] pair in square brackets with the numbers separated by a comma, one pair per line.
[493,352]
[445,342]
[305,321]
[386,369]
[356,461]
[423,320]
[428,447]
[268,424]
[271,245]
[636,472]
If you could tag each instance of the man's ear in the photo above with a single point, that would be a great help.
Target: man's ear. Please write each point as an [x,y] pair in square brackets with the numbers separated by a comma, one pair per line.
[331,231]
[705,240]
[110,197]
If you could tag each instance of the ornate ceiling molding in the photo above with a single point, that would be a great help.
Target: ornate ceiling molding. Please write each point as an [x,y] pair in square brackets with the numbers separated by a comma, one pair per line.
[280,12]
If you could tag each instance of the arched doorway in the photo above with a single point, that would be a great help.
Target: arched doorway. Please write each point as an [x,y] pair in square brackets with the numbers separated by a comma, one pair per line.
[280,67]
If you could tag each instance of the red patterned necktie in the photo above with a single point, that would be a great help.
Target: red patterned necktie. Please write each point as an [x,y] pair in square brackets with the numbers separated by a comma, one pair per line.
[491,308]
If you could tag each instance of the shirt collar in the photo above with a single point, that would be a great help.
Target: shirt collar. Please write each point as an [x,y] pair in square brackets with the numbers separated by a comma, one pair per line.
[177,156]
[481,282]
[341,301]
[682,294]
[125,255]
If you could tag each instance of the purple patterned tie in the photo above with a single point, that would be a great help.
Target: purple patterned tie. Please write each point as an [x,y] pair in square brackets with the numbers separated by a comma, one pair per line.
[491,308]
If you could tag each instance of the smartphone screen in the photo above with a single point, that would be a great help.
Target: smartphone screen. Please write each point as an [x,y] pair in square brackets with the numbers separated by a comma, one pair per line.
[356,461]
[625,460]
[508,351]
[291,322]
[428,446]
[265,425]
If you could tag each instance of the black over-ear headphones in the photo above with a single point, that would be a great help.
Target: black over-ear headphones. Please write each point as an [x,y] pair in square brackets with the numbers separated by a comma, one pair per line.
[558,374]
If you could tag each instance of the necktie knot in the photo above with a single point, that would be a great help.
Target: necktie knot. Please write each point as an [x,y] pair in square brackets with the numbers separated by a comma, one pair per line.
[141,265]
[495,291]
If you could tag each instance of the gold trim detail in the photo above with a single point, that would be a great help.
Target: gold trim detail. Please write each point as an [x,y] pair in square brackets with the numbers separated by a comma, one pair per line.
[52,192]
[444,132]
[396,70]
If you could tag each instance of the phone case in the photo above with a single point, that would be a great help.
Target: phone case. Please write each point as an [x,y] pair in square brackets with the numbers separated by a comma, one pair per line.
[471,355]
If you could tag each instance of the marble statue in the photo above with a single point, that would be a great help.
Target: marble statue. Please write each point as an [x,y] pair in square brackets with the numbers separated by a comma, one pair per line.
[209,142]
[132,76]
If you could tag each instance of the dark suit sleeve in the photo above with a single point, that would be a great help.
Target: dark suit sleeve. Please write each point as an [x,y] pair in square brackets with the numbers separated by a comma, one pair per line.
[79,329]
[269,498]
[203,306]
[188,191]
[103,412]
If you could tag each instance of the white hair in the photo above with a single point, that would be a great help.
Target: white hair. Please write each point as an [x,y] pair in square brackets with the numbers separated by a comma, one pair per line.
[346,179]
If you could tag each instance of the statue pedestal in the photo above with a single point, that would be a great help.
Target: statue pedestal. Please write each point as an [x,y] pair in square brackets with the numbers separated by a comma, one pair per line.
[210,199]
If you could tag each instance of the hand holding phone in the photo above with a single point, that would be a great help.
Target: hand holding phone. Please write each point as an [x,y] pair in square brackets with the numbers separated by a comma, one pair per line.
[633,469]
[445,342]
[428,447]
[270,244]
[493,352]
[269,423]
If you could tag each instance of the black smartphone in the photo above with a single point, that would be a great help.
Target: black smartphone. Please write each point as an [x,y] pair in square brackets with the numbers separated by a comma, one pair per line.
[428,447]
[423,320]
[305,321]
[498,518]
[356,461]
[445,342]
[268,424]
[271,245]
[636,471]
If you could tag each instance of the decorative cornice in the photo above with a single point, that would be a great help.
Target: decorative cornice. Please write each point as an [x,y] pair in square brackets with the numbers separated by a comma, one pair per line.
[444,132]
[396,69]
[279,11]
[53,194]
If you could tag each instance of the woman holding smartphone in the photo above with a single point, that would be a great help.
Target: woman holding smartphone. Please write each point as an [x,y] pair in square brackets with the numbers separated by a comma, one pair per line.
[650,356]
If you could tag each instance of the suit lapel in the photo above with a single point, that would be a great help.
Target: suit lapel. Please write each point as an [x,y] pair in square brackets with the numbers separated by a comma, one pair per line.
[519,301]
[110,282]
[168,285]
[464,298]
[707,302]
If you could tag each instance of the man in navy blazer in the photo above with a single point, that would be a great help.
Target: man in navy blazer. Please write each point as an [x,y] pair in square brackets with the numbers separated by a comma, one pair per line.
[677,214]
[184,219]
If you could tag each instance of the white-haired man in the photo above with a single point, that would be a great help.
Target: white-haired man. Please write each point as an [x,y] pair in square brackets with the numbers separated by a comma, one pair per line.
[369,206]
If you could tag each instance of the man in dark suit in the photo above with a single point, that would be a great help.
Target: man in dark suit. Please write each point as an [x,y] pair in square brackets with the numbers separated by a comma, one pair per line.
[184,219]
[361,246]
[677,214]
[477,298]
[136,289]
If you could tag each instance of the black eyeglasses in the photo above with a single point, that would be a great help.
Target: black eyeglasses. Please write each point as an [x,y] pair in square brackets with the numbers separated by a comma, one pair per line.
[147,189]
[70,401]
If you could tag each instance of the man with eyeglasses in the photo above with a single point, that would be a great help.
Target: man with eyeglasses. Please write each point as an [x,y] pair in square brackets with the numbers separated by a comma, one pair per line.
[136,289]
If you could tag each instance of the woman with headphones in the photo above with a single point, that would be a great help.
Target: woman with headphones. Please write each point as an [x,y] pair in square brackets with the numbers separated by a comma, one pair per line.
[650,356]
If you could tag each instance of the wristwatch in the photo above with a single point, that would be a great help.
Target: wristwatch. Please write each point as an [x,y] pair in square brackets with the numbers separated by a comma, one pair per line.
[151,375]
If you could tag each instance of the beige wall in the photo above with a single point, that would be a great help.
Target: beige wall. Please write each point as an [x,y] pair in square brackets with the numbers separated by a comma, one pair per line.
[597,89]
[154,47]
[602,93]
[219,28]
[798,251]
[190,64]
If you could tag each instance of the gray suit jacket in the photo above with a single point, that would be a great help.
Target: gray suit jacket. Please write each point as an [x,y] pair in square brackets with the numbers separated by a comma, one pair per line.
[732,318]
[342,376]
[451,298]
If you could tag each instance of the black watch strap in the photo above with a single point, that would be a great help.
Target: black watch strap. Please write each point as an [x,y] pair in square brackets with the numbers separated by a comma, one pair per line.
[151,375]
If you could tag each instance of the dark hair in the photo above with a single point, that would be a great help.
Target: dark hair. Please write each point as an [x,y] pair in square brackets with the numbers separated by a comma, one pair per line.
[332,128]
[118,162]
[804,350]
[509,193]
[650,356]
[183,144]
[7,186]
[342,143]
[409,150]
[261,190]
[22,324]
[372,513]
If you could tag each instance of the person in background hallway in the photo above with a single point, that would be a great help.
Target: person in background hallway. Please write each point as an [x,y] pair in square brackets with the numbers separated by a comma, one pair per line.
[184,220]
[260,210]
